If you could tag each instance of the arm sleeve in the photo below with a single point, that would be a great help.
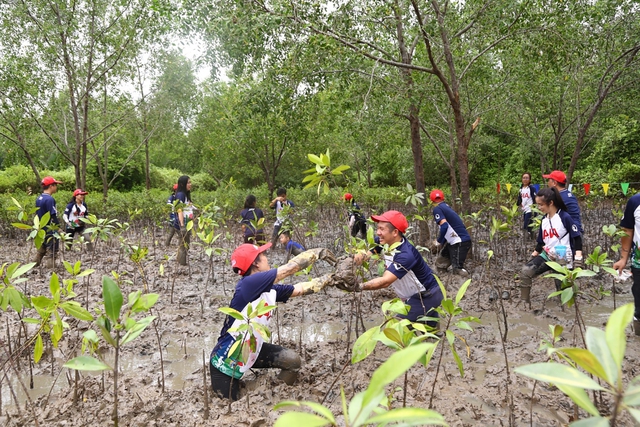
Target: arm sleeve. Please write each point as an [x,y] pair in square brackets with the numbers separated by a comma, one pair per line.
[532,189]
[443,232]
[519,201]
[576,243]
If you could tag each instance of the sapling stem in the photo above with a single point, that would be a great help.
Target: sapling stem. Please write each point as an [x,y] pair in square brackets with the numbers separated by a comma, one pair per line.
[205,386]
[155,328]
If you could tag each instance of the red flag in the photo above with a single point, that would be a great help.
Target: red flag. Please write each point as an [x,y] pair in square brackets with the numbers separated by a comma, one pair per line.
[587,187]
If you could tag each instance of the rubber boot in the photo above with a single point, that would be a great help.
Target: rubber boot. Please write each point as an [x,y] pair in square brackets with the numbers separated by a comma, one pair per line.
[525,294]
[460,272]
[172,231]
[636,327]
[39,255]
[289,377]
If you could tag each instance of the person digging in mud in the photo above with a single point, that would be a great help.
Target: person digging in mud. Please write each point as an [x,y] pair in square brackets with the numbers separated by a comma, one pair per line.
[407,272]
[258,286]
[357,222]
[453,238]
[46,203]
[557,229]
[630,244]
[291,246]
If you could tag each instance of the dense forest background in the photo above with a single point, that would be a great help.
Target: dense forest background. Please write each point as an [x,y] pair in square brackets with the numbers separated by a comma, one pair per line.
[432,93]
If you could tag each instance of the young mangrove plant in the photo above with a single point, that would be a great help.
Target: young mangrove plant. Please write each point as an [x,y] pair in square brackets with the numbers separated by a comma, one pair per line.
[603,358]
[367,407]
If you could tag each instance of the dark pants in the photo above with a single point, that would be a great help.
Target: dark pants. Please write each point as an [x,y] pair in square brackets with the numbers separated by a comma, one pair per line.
[423,304]
[635,290]
[275,234]
[271,356]
[360,226]
[534,268]
[526,221]
[453,255]
[256,239]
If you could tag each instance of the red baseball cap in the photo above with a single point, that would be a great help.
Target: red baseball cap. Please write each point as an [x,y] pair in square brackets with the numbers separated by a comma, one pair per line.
[244,255]
[395,218]
[79,192]
[436,195]
[557,176]
[348,196]
[49,180]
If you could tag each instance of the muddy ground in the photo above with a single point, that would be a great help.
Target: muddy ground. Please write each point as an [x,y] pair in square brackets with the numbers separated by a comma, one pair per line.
[322,328]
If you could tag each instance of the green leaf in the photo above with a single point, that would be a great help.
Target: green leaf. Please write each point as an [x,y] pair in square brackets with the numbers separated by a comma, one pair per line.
[320,409]
[231,312]
[364,345]
[409,417]
[592,422]
[393,335]
[38,349]
[86,363]
[14,297]
[580,397]
[301,419]
[634,413]
[556,373]
[74,309]
[137,329]
[614,331]
[20,271]
[597,344]
[54,284]
[632,393]
[314,159]
[22,226]
[86,272]
[112,298]
[462,291]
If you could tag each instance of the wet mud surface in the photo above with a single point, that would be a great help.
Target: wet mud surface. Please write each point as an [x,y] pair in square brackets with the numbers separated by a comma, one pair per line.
[321,328]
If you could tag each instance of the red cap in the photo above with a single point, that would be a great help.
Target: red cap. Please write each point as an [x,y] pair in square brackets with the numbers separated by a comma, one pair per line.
[49,180]
[244,255]
[175,187]
[348,196]
[436,195]
[557,176]
[395,218]
[79,192]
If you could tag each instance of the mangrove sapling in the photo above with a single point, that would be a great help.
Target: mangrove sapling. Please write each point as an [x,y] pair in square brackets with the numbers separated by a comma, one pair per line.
[451,314]
[206,232]
[246,333]
[322,174]
[137,254]
[368,407]
[117,326]
[603,359]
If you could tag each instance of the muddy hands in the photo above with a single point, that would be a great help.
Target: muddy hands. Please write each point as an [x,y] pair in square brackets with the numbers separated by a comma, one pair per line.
[345,276]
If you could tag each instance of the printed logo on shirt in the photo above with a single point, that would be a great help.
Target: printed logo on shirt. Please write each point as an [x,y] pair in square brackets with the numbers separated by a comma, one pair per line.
[574,228]
[437,216]
[550,233]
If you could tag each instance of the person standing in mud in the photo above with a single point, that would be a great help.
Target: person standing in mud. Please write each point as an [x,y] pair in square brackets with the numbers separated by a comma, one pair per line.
[407,272]
[250,215]
[74,212]
[173,217]
[558,180]
[47,204]
[185,215]
[258,287]
[526,198]
[279,203]
[357,222]
[453,237]
[557,229]
[630,244]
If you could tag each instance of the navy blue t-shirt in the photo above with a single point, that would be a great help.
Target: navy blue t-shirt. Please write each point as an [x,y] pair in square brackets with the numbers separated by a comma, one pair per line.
[454,230]
[45,203]
[573,208]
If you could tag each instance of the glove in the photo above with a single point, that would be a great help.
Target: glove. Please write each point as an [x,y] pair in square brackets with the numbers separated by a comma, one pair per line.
[315,285]
[307,258]
[345,277]
[578,263]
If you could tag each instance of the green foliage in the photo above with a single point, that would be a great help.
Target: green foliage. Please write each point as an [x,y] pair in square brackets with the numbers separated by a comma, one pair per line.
[364,408]
[602,359]
[322,174]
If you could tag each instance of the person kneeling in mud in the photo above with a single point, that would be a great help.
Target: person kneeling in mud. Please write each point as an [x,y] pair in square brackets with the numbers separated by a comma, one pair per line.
[407,272]
[258,286]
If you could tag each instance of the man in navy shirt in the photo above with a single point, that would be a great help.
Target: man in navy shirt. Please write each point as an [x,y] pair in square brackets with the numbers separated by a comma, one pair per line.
[258,287]
[630,244]
[453,236]
[558,180]
[407,272]
[47,204]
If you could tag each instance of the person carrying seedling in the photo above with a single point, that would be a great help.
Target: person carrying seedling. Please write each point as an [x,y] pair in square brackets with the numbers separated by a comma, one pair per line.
[357,222]
[257,286]
[292,247]
[407,272]
[630,244]
[557,230]
[46,203]
[279,203]
[74,212]
[453,238]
